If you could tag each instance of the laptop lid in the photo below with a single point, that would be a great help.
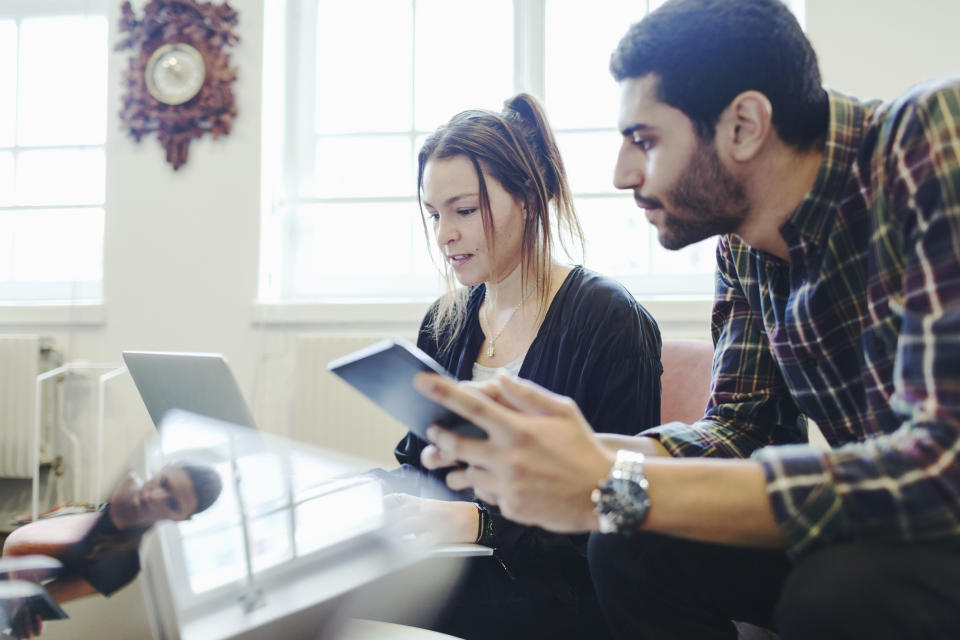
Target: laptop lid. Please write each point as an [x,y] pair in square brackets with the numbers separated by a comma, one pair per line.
[197,382]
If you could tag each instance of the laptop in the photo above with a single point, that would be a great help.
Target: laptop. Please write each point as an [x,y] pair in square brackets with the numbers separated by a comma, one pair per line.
[200,383]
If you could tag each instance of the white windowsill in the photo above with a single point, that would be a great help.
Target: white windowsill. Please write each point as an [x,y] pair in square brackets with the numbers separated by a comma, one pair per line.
[52,314]
[686,317]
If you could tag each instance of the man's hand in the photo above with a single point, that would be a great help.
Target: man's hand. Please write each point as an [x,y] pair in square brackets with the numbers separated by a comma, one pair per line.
[432,521]
[541,459]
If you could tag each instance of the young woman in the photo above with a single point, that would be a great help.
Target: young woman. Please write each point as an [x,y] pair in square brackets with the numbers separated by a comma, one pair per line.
[494,195]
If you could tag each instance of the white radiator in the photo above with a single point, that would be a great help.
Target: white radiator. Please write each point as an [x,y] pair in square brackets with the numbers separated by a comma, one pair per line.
[19,367]
[328,412]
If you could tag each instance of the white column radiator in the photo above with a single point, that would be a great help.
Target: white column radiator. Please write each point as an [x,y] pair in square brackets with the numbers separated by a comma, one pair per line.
[328,412]
[19,367]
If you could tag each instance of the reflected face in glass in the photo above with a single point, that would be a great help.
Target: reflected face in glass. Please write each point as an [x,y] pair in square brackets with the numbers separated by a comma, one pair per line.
[676,176]
[451,201]
[169,495]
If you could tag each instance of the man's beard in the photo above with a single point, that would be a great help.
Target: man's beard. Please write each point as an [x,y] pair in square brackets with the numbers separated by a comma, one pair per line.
[712,201]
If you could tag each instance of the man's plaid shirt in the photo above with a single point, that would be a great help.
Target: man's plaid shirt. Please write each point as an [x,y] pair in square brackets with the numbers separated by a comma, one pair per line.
[859,331]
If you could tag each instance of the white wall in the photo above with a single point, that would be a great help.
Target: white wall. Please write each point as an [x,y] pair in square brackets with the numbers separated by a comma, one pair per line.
[181,248]
[878,49]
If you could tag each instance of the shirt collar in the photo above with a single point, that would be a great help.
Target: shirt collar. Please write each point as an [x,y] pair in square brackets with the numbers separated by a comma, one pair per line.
[813,217]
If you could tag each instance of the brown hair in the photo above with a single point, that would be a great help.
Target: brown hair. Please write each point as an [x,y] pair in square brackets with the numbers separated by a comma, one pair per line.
[516,148]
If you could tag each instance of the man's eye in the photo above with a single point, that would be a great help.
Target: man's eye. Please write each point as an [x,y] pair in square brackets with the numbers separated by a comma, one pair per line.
[173,504]
[644,143]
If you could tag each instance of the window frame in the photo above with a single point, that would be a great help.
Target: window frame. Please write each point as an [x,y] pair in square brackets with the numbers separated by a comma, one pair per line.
[52,302]
[277,291]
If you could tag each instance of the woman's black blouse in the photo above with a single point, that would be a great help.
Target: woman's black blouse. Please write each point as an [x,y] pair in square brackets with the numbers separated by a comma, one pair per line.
[597,345]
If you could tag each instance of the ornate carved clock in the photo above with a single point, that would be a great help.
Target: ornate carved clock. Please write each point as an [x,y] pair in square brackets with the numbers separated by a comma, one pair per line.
[178,82]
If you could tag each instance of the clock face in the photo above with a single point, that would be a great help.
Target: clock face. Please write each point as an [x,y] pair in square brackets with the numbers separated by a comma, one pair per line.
[174,73]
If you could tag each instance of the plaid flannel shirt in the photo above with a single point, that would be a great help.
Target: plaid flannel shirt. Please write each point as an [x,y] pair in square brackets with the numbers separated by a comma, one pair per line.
[859,331]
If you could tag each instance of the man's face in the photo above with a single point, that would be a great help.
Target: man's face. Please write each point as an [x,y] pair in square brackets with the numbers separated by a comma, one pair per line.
[677,177]
[167,496]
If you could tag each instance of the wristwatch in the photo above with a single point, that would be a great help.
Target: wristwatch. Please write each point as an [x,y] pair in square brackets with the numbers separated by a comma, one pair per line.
[620,500]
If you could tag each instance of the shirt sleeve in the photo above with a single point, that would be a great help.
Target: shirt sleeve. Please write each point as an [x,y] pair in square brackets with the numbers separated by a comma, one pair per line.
[750,405]
[902,485]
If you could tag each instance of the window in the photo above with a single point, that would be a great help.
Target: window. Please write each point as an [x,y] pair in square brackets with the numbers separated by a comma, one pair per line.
[284,510]
[361,96]
[53,95]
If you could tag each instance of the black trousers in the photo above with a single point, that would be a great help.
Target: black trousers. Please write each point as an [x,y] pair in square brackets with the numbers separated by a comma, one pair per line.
[489,604]
[653,586]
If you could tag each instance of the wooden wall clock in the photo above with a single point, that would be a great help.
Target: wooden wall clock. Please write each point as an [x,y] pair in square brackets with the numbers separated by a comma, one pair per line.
[178,82]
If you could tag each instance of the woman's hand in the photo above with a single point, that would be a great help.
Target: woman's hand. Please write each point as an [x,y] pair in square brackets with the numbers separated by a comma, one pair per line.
[432,521]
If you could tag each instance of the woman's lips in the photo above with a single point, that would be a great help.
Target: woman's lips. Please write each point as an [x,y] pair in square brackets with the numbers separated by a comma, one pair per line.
[459,259]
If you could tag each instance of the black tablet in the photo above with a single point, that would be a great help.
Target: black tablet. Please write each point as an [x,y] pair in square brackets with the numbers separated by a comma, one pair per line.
[384,373]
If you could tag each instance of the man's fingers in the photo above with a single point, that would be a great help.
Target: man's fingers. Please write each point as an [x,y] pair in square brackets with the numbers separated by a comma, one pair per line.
[492,390]
[461,448]
[477,478]
[465,401]
[434,458]
[529,397]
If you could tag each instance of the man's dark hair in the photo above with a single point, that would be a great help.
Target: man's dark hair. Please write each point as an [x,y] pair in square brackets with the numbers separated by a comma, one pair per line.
[206,484]
[706,52]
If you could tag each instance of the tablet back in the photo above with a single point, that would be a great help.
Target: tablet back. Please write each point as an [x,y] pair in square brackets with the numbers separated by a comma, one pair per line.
[198,382]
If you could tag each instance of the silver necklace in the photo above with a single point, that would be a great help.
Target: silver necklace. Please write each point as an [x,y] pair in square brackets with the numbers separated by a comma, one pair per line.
[486,317]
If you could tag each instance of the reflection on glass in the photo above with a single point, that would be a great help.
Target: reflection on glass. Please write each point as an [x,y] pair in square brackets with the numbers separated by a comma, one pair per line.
[262,483]
[282,484]
[47,82]
[270,540]
[214,558]
[345,510]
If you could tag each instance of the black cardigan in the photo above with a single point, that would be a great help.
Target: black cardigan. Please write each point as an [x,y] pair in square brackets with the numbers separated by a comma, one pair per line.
[596,345]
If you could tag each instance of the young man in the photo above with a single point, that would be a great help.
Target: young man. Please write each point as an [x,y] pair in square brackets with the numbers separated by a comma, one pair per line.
[838,299]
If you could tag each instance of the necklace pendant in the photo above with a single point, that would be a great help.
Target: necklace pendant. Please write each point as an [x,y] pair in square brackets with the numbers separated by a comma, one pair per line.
[490,351]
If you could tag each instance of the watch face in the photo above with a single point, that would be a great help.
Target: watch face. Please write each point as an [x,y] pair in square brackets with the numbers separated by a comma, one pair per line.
[175,73]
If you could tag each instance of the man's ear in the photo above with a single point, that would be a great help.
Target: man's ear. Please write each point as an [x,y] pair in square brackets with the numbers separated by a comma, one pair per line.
[745,126]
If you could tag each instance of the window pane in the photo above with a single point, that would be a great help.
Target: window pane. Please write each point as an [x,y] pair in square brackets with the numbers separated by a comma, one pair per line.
[580,36]
[363,66]
[464,54]
[270,541]
[589,159]
[364,166]
[338,515]
[61,176]
[214,558]
[261,483]
[696,258]
[8,82]
[617,235]
[336,248]
[63,96]
[64,245]
[6,178]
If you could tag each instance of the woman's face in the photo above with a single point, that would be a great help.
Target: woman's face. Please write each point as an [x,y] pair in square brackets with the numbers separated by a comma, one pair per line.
[451,199]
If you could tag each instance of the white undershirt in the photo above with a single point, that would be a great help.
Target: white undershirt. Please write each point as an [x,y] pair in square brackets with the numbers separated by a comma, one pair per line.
[482,373]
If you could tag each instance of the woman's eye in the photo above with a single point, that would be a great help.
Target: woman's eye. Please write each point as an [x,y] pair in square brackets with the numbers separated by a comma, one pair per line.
[466,211]
[644,143]
[433,217]
[173,504]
